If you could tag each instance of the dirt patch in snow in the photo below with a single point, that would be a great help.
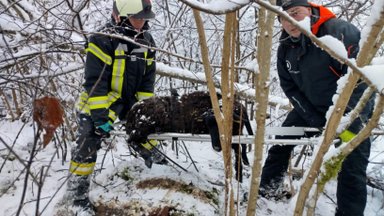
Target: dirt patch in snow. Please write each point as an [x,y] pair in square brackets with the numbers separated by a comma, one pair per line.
[170,184]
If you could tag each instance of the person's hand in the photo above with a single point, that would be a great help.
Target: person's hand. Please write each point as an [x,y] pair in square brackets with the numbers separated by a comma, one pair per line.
[104,130]
[344,137]
[347,136]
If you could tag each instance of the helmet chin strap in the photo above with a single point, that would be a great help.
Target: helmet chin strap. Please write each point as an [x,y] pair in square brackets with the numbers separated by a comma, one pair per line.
[116,18]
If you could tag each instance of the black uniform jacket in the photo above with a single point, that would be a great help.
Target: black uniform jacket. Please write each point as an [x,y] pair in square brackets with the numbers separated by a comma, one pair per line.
[102,67]
[309,75]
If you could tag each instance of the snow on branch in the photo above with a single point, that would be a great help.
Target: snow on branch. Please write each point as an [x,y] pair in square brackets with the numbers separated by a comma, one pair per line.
[71,68]
[375,73]
[376,15]
[217,7]
[244,91]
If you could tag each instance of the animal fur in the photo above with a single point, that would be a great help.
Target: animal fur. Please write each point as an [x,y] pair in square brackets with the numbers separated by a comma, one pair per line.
[192,113]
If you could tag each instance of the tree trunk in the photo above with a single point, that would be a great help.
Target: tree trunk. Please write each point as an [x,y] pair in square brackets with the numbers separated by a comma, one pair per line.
[223,119]
[266,19]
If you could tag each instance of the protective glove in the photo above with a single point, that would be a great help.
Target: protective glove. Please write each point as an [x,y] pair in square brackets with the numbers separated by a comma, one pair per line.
[347,136]
[104,130]
[344,137]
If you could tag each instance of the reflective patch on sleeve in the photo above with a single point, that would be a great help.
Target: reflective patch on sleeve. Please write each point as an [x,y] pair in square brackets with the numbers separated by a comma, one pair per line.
[95,50]
[98,102]
[144,95]
[112,115]
[82,104]
[150,144]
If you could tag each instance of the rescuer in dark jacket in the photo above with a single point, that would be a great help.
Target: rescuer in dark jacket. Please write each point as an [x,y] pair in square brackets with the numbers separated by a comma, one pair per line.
[118,73]
[308,76]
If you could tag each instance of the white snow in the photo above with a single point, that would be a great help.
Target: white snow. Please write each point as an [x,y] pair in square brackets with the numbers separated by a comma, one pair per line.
[218,5]
[375,14]
[253,66]
[107,185]
[335,44]
[306,24]
[375,73]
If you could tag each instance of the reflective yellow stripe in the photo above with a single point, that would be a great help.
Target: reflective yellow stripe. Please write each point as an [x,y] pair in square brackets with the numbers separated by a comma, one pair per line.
[112,116]
[83,108]
[117,79]
[112,97]
[99,53]
[143,95]
[149,60]
[98,102]
[150,144]
[140,50]
[82,104]
[81,168]
[84,95]
[347,136]
[118,70]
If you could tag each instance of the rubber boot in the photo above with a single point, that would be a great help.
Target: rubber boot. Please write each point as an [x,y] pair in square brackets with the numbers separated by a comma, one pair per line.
[77,194]
[158,157]
[150,156]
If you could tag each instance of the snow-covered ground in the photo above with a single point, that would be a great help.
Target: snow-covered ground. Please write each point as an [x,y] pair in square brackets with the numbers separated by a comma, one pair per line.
[123,181]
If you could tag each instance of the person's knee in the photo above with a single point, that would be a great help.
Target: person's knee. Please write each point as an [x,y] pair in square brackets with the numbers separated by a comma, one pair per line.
[352,189]
[355,164]
[86,149]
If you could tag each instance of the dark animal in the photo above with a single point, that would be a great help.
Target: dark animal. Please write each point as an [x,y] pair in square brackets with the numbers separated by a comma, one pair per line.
[192,113]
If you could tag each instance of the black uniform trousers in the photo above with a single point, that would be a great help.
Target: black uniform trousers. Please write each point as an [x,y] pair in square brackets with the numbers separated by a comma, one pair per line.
[351,187]
[85,152]
[88,143]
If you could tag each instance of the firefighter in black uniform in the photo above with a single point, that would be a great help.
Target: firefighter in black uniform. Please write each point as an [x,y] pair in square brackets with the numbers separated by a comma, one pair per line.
[308,77]
[118,73]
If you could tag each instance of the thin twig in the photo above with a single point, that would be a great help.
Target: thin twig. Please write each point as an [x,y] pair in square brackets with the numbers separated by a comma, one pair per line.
[28,170]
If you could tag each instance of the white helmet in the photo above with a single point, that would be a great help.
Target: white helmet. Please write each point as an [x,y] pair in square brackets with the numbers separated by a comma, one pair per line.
[139,9]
